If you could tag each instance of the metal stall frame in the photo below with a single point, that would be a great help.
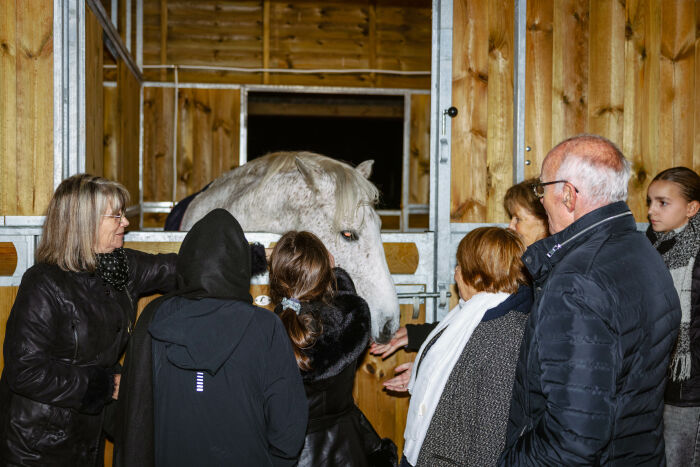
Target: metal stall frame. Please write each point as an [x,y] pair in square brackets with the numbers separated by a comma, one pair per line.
[164,206]
[436,247]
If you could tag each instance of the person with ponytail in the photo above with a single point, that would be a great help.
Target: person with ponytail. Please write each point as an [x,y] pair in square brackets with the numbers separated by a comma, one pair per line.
[673,200]
[329,327]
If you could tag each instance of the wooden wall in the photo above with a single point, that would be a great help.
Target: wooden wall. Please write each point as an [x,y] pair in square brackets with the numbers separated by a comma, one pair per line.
[297,34]
[626,70]
[94,95]
[26,107]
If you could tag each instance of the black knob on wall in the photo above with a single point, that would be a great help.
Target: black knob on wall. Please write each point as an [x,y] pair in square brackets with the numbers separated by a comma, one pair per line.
[451,112]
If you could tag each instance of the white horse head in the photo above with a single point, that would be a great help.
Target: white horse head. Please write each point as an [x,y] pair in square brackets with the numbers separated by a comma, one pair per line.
[305,191]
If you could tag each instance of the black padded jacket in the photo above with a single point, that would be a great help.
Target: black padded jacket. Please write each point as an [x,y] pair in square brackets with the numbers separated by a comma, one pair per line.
[590,381]
[64,337]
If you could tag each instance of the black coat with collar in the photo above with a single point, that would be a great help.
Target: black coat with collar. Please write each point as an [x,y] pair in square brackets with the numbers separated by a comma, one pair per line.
[338,433]
[589,387]
[65,332]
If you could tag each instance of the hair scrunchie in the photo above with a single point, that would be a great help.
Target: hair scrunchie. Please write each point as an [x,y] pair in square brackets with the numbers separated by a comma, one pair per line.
[292,304]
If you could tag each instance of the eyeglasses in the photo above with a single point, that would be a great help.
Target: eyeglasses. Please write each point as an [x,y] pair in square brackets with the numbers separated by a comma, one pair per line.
[116,217]
[538,188]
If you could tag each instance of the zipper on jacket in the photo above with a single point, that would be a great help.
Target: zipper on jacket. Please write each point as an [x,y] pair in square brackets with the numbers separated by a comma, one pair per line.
[557,246]
[130,326]
[75,337]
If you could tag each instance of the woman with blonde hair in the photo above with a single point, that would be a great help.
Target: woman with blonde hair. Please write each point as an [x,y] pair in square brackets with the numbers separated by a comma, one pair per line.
[70,324]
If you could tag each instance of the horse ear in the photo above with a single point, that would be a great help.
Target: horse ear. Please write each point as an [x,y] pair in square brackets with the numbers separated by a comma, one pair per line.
[365,168]
[305,171]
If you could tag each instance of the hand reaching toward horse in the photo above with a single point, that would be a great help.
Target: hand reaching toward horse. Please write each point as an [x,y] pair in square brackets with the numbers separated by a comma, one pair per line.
[399,340]
[399,383]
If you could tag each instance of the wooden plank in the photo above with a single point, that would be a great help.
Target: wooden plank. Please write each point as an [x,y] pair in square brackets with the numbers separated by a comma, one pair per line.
[538,84]
[202,127]
[419,165]
[696,99]
[470,96]
[163,36]
[266,40]
[158,114]
[569,69]
[386,411]
[8,107]
[372,45]
[499,159]
[226,129]
[321,110]
[111,132]
[403,257]
[677,67]
[154,247]
[640,138]
[8,258]
[185,141]
[128,158]
[34,150]
[7,299]
[606,86]
[94,99]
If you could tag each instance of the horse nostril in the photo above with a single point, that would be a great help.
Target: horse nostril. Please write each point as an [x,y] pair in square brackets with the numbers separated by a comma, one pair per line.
[386,333]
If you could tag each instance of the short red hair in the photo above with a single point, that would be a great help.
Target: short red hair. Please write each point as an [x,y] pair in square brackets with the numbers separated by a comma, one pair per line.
[489,260]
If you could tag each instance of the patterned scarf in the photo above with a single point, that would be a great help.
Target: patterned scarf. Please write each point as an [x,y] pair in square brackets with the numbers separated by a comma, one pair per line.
[113,268]
[679,249]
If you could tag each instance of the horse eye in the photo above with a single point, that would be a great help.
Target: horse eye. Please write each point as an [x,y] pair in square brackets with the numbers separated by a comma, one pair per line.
[349,235]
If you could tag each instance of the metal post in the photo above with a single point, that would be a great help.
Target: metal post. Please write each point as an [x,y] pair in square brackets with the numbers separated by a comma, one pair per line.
[69,88]
[440,147]
[175,108]
[406,166]
[127,32]
[243,142]
[519,91]
[139,34]
[115,13]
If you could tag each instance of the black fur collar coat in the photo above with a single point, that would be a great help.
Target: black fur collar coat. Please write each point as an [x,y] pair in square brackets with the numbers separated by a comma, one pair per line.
[338,432]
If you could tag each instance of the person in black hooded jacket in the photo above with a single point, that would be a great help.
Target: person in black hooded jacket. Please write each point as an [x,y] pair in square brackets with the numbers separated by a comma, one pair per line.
[328,324]
[226,388]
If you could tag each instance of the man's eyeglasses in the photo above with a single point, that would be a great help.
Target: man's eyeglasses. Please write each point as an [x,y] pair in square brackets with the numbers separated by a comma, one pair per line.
[116,217]
[538,188]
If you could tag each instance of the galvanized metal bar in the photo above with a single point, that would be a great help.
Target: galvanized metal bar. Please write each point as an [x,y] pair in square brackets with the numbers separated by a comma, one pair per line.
[127,24]
[406,165]
[343,71]
[113,36]
[175,111]
[441,98]
[141,145]
[139,34]
[115,13]
[519,91]
[69,89]
[243,128]
[290,88]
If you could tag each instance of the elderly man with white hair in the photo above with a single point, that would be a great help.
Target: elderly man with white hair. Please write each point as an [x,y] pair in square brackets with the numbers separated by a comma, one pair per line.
[589,386]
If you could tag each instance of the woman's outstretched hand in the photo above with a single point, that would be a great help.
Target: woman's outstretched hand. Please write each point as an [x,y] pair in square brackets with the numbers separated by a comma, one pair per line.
[399,340]
[399,383]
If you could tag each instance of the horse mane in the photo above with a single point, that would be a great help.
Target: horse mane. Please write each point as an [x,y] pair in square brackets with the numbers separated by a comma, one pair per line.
[352,190]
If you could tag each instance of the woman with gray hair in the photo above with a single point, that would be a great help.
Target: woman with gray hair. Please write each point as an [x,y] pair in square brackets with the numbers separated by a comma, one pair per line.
[69,325]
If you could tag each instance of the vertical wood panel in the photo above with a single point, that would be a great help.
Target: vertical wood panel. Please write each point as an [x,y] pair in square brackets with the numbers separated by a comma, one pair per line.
[8,106]
[606,69]
[499,162]
[419,167]
[569,69]
[640,138]
[386,411]
[110,137]
[158,111]
[94,100]
[33,155]
[538,84]
[7,299]
[696,99]
[128,152]
[470,96]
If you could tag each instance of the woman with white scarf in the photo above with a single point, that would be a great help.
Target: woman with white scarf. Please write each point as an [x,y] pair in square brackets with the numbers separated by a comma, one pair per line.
[673,199]
[462,377]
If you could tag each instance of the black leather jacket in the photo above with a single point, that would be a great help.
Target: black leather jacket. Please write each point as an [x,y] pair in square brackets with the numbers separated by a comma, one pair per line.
[64,337]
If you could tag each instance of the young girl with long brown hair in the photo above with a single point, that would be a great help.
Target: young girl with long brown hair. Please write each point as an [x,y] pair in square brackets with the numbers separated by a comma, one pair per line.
[329,326]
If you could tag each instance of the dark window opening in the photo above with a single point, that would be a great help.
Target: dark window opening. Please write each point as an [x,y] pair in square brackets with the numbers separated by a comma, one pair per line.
[346,127]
